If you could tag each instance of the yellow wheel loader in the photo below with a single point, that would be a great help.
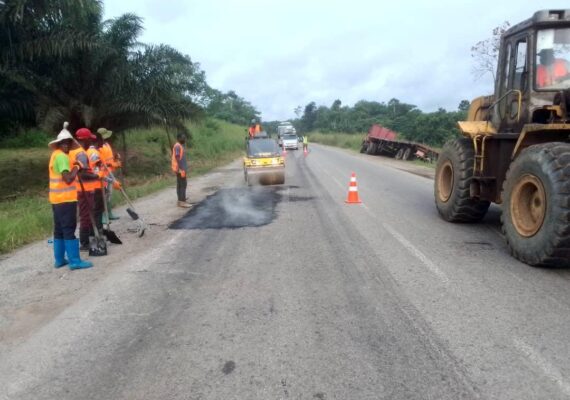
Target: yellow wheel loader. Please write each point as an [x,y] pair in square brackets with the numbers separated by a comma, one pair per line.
[515,149]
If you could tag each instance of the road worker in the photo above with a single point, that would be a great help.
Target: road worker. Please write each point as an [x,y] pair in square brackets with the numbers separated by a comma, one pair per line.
[63,197]
[254,128]
[179,165]
[551,69]
[111,161]
[305,143]
[90,201]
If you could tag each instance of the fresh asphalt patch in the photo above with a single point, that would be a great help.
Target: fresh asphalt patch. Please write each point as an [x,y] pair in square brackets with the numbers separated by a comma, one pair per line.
[237,208]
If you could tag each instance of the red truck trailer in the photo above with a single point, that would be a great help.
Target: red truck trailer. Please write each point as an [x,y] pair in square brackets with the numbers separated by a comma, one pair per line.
[383,141]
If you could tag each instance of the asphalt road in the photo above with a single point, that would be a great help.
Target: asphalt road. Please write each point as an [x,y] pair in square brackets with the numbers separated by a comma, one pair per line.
[288,292]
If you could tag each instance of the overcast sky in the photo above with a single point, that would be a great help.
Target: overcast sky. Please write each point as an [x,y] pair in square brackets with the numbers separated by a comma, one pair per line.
[279,54]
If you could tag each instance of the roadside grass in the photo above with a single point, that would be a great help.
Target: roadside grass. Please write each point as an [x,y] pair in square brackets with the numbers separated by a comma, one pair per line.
[424,164]
[25,212]
[351,141]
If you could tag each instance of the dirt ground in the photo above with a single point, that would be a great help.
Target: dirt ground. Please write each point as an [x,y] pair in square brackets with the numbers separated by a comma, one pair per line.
[32,292]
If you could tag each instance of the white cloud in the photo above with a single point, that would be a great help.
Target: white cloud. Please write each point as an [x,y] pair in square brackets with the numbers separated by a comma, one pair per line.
[282,53]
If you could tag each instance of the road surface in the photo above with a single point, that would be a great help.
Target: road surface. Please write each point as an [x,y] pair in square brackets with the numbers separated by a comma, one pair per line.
[289,293]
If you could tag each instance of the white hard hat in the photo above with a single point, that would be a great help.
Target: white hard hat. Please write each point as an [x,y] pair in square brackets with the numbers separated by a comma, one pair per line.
[64,134]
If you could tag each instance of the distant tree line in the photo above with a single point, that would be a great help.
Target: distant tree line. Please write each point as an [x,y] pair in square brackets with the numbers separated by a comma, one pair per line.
[60,61]
[433,128]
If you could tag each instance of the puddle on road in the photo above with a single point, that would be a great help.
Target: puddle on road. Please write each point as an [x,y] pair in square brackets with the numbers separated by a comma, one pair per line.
[232,208]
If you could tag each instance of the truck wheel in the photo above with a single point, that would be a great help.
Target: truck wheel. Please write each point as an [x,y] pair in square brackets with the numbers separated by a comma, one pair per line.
[371,148]
[399,154]
[536,205]
[453,176]
[407,154]
[363,147]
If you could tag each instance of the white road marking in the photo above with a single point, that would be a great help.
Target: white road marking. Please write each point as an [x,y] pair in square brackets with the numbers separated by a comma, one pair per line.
[417,253]
[547,368]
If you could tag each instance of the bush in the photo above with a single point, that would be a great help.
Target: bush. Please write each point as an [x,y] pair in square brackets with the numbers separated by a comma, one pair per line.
[26,139]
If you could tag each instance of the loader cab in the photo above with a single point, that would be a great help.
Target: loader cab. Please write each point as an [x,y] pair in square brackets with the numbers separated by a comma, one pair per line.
[533,68]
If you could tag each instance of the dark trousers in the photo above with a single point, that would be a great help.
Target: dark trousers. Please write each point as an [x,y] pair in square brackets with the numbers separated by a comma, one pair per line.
[86,201]
[89,202]
[181,184]
[64,220]
[98,209]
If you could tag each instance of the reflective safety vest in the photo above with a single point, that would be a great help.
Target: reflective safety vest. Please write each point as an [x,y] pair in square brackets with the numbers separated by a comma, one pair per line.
[546,75]
[253,130]
[107,157]
[174,162]
[94,158]
[59,190]
[73,158]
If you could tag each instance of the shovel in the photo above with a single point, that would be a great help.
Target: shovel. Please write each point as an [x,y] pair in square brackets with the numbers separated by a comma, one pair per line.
[100,249]
[111,236]
[131,209]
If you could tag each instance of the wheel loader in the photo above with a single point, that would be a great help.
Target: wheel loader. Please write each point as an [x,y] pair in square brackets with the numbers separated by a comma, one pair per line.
[515,145]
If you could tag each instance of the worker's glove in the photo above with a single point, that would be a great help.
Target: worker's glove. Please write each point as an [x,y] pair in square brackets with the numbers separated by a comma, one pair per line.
[183,174]
[117,185]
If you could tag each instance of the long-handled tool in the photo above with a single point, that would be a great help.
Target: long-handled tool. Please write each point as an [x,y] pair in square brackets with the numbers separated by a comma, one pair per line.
[133,214]
[131,209]
[111,236]
[101,246]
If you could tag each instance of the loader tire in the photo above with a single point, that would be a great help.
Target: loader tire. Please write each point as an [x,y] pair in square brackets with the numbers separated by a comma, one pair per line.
[536,205]
[399,154]
[453,176]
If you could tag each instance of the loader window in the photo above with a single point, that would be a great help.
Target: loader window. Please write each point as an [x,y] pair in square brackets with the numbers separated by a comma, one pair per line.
[506,69]
[520,66]
[553,59]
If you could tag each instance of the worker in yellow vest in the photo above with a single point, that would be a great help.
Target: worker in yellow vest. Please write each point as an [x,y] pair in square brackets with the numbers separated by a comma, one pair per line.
[63,197]
[179,165]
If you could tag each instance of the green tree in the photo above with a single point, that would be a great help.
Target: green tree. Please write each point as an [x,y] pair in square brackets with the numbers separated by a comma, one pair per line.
[309,117]
[61,60]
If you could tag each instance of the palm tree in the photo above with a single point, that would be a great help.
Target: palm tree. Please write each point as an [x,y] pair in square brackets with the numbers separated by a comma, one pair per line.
[65,63]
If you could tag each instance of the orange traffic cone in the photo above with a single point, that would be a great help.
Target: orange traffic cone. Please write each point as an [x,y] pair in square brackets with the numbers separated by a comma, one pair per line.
[305,152]
[353,191]
[284,153]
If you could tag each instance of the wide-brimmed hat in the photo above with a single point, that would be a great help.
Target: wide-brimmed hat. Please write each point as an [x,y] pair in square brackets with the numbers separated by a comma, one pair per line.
[63,135]
[84,133]
[105,133]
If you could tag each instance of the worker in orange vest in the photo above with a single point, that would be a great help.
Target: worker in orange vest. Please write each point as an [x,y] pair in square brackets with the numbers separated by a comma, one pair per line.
[550,70]
[254,128]
[179,165]
[111,161]
[63,197]
[90,200]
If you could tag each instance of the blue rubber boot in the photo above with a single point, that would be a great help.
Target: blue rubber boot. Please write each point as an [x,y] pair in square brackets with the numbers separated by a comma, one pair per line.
[75,262]
[59,253]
